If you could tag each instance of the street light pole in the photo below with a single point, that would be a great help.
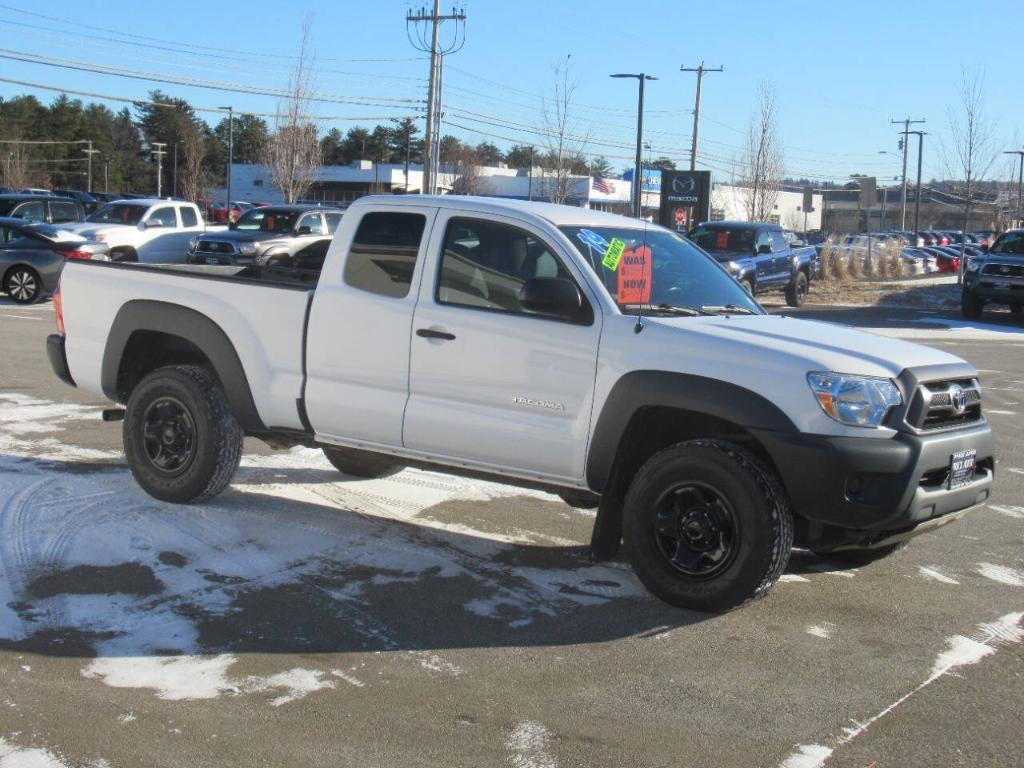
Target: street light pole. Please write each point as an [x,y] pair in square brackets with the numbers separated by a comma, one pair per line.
[89,152]
[1020,183]
[638,172]
[231,158]
[159,154]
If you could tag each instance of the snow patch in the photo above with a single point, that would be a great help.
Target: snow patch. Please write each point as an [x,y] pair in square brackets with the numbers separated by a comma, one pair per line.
[933,572]
[348,678]
[529,744]
[1014,512]
[127,717]
[294,684]
[807,756]
[792,578]
[174,678]
[824,631]
[1002,574]
[31,757]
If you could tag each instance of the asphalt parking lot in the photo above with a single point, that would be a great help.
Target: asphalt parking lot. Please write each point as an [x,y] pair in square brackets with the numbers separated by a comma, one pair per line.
[423,620]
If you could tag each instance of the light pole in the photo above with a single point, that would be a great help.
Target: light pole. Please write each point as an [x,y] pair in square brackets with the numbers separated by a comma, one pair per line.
[1020,183]
[641,77]
[917,189]
[159,153]
[89,152]
[231,157]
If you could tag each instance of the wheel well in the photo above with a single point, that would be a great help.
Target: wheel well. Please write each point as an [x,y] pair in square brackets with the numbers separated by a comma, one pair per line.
[127,250]
[146,351]
[656,427]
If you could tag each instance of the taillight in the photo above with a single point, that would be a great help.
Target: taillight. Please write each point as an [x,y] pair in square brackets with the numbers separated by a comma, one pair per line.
[75,254]
[58,308]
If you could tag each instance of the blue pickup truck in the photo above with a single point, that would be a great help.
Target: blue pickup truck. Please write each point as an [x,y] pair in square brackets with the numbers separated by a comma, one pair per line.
[759,256]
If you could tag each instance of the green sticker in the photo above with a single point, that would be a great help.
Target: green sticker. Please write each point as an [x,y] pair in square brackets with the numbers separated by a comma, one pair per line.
[613,254]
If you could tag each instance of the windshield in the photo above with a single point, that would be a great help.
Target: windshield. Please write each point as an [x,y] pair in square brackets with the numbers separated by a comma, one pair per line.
[1010,243]
[659,270]
[118,213]
[723,238]
[264,220]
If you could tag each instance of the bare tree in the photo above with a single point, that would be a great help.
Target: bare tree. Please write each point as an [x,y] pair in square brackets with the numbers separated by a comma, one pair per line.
[972,152]
[468,178]
[292,154]
[761,167]
[193,176]
[562,140]
[15,165]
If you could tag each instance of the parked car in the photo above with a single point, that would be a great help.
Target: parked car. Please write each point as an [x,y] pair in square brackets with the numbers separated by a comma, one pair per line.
[35,191]
[759,257]
[946,259]
[47,209]
[995,277]
[592,355]
[218,213]
[32,256]
[268,235]
[147,230]
[88,200]
[917,261]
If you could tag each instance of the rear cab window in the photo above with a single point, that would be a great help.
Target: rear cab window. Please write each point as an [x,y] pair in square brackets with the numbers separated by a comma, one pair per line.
[62,211]
[165,216]
[188,216]
[383,254]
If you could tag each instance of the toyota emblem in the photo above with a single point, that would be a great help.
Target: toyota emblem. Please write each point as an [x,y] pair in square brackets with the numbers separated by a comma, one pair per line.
[1005,270]
[958,399]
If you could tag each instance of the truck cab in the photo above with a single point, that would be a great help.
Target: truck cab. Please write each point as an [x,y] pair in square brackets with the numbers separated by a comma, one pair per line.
[152,230]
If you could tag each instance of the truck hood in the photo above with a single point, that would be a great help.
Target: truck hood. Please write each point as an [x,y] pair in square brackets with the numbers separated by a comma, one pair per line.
[724,256]
[241,236]
[804,345]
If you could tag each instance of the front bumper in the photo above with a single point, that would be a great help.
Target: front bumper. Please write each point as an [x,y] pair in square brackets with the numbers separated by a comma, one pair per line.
[860,491]
[57,354]
[1004,290]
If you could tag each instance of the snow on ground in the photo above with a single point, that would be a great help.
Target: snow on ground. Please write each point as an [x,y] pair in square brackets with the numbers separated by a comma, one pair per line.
[950,328]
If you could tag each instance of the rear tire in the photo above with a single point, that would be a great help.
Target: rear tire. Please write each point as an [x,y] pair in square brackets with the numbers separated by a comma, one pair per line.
[748,285]
[707,526]
[23,285]
[796,291]
[180,439]
[970,305]
[356,463]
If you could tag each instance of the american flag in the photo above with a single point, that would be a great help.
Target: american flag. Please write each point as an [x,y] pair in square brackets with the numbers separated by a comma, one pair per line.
[603,186]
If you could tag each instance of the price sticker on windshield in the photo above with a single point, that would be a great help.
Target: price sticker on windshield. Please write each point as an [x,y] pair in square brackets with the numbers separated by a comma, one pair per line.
[613,254]
[635,277]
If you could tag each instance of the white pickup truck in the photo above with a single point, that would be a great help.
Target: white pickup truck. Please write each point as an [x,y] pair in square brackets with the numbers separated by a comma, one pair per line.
[591,355]
[152,230]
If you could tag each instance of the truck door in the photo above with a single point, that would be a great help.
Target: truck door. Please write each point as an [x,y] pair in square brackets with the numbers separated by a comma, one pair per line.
[764,262]
[490,382]
[782,267]
[161,231]
[357,347]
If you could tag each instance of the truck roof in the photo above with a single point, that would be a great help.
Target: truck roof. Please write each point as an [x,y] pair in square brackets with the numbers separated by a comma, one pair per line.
[740,224]
[148,201]
[559,215]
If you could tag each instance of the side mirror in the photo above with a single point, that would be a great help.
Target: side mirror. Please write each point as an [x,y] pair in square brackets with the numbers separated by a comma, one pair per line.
[764,248]
[233,225]
[552,296]
[303,230]
[154,223]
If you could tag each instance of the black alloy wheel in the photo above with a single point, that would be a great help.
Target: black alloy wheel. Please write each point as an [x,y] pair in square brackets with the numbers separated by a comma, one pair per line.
[169,436]
[695,530]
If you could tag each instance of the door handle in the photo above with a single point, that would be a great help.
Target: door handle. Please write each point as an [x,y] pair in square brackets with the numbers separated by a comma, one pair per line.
[430,333]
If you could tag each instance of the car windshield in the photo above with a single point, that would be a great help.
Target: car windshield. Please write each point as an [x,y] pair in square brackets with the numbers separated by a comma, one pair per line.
[1010,243]
[118,213]
[266,220]
[654,270]
[723,238]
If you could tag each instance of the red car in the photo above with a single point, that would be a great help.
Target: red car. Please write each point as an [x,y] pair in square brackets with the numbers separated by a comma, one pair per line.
[216,212]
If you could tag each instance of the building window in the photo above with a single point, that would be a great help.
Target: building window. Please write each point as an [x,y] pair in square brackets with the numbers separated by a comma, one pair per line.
[258,183]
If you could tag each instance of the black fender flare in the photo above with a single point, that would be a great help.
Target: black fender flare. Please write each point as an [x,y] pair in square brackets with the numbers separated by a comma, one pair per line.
[194,327]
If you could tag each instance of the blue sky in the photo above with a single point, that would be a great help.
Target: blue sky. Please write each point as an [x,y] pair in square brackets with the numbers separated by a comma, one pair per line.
[840,70]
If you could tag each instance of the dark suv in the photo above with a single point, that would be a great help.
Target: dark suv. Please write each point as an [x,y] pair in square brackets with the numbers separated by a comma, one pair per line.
[286,235]
[996,276]
[41,209]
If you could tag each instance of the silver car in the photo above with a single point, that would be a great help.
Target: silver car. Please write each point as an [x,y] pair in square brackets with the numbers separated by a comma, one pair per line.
[32,256]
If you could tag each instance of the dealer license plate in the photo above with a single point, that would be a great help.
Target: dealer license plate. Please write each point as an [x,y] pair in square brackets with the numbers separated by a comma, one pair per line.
[1002,285]
[212,260]
[961,467]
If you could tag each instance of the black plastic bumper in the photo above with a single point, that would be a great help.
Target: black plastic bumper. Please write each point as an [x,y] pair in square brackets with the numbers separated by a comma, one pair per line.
[878,486]
[995,288]
[58,358]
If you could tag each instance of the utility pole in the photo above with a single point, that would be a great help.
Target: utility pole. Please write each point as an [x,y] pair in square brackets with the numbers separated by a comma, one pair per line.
[917,189]
[696,107]
[159,153]
[422,21]
[1020,183]
[529,180]
[906,130]
[174,169]
[231,158]
[89,152]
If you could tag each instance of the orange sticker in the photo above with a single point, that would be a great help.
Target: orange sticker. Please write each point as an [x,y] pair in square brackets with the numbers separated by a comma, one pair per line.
[635,276]
[722,241]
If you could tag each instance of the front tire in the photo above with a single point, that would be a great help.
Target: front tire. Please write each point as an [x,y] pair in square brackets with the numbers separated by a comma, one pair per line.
[970,305]
[23,285]
[707,526]
[180,439]
[356,463]
[796,291]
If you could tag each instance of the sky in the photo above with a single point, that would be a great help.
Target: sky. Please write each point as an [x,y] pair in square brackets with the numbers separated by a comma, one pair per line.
[840,71]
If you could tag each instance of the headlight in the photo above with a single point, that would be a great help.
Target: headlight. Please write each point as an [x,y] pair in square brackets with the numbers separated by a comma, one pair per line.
[732,266]
[859,401]
[192,243]
[247,249]
[973,265]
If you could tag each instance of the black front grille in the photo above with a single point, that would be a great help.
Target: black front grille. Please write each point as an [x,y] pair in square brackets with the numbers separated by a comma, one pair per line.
[1003,270]
[934,407]
[212,246]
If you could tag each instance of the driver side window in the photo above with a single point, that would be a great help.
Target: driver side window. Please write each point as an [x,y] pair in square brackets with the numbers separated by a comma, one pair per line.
[762,239]
[165,216]
[313,221]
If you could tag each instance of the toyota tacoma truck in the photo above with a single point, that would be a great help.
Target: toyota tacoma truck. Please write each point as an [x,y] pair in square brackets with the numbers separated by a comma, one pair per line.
[760,257]
[152,230]
[590,355]
[995,277]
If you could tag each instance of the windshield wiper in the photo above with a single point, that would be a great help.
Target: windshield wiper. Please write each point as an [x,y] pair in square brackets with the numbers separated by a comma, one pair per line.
[667,309]
[728,309]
